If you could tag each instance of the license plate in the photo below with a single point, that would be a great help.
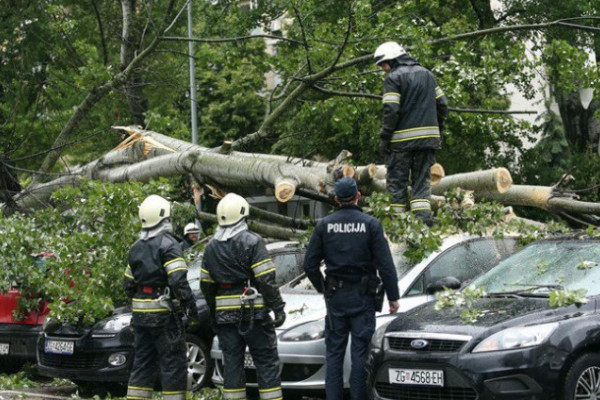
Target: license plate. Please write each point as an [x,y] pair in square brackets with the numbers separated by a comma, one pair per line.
[59,346]
[248,361]
[416,377]
[4,347]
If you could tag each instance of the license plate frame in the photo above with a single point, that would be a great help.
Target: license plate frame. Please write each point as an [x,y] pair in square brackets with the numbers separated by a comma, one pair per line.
[416,377]
[66,347]
[4,349]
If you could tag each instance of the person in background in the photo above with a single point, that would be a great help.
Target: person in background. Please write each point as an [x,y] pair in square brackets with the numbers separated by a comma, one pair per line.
[191,232]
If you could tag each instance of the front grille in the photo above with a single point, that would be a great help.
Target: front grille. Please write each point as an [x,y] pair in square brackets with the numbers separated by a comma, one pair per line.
[435,345]
[74,361]
[398,392]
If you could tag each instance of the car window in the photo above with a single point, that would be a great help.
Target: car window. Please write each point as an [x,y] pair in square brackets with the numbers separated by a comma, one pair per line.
[572,264]
[287,266]
[464,261]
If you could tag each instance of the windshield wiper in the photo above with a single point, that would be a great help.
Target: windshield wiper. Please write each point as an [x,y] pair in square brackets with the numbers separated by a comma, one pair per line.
[528,290]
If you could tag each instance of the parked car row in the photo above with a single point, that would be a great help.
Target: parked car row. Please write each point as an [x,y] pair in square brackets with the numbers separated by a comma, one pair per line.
[532,332]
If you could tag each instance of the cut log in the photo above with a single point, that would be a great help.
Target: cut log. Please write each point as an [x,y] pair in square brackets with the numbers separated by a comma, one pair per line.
[496,180]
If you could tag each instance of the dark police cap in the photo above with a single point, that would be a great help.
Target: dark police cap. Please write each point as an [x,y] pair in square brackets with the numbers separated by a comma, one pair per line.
[345,188]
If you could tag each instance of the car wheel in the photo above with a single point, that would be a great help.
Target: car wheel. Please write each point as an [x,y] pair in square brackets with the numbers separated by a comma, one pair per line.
[200,365]
[583,378]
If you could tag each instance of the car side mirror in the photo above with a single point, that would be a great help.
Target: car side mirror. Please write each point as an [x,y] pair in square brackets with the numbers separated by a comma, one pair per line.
[448,282]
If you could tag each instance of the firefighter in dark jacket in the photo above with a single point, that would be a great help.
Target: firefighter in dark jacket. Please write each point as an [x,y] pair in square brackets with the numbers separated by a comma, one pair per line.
[156,281]
[238,282]
[357,261]
[414,110]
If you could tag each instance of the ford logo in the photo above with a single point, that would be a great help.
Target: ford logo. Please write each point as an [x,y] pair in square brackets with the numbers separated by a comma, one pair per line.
[419,344]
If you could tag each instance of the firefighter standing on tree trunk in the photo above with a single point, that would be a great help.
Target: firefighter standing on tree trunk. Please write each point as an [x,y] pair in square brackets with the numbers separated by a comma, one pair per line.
[156,281]
[414,110]
[238,282]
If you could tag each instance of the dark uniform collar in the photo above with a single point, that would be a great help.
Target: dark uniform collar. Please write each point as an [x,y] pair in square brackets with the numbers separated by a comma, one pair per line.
[350,207]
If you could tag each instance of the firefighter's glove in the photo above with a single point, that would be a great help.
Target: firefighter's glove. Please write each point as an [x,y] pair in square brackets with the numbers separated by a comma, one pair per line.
[279,317]
[193,317]
[383,151]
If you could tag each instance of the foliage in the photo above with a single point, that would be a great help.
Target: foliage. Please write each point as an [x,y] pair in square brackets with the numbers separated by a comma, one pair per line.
[90,230]
[19,380]
[565,298]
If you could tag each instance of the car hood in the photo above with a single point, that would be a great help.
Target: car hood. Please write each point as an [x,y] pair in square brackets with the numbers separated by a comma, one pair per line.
[494,314]
[302,307]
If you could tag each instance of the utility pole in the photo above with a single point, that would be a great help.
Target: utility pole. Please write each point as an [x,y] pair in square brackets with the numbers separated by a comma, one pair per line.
[192,76]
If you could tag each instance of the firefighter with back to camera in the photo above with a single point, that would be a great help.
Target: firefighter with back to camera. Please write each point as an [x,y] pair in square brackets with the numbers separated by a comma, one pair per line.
[156,281]
[238,282]
[355,252]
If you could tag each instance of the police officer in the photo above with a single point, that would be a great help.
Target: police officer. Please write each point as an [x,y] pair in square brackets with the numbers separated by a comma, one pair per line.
[414,110]
[355,250]
[156,280]
[190,235]
[238,282]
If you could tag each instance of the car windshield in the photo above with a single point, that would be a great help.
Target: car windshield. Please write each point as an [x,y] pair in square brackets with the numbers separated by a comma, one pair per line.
[547,266]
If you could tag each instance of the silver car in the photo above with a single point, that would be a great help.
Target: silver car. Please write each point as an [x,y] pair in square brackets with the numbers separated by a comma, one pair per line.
[301,343]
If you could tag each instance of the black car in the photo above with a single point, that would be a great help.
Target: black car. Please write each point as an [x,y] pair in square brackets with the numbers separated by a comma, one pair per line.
[99,358]
[527,329]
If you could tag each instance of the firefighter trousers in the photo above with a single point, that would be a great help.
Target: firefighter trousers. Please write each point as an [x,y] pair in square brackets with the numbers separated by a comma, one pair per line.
[262,343]
[413,166]
[161,350]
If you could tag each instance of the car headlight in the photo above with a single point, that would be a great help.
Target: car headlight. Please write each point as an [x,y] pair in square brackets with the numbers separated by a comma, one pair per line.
[377,338]
[309,331]
[114,324]
[513,338]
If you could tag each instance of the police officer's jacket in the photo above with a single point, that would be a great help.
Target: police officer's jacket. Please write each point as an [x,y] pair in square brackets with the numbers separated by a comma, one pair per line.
[228,267]
[155,264]
[414,107]
[352,245]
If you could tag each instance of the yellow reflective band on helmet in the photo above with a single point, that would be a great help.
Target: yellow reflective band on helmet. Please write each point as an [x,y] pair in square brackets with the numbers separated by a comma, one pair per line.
[424,132]
[238,393]
[129,273]
[263,267]
[148,305]
[271,394]
[438,92]
[205,276]
[391,97]
[176,264]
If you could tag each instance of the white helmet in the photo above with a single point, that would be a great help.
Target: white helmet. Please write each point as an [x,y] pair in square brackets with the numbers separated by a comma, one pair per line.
[231,209]
[191,228]
[153,210]
[388,51]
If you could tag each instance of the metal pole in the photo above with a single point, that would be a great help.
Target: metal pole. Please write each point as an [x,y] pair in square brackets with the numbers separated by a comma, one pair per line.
[192,77]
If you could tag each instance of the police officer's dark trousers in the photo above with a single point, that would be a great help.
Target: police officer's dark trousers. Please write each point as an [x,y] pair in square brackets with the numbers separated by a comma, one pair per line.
[414,165]
[159,348]
[350,311]
[261,341]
